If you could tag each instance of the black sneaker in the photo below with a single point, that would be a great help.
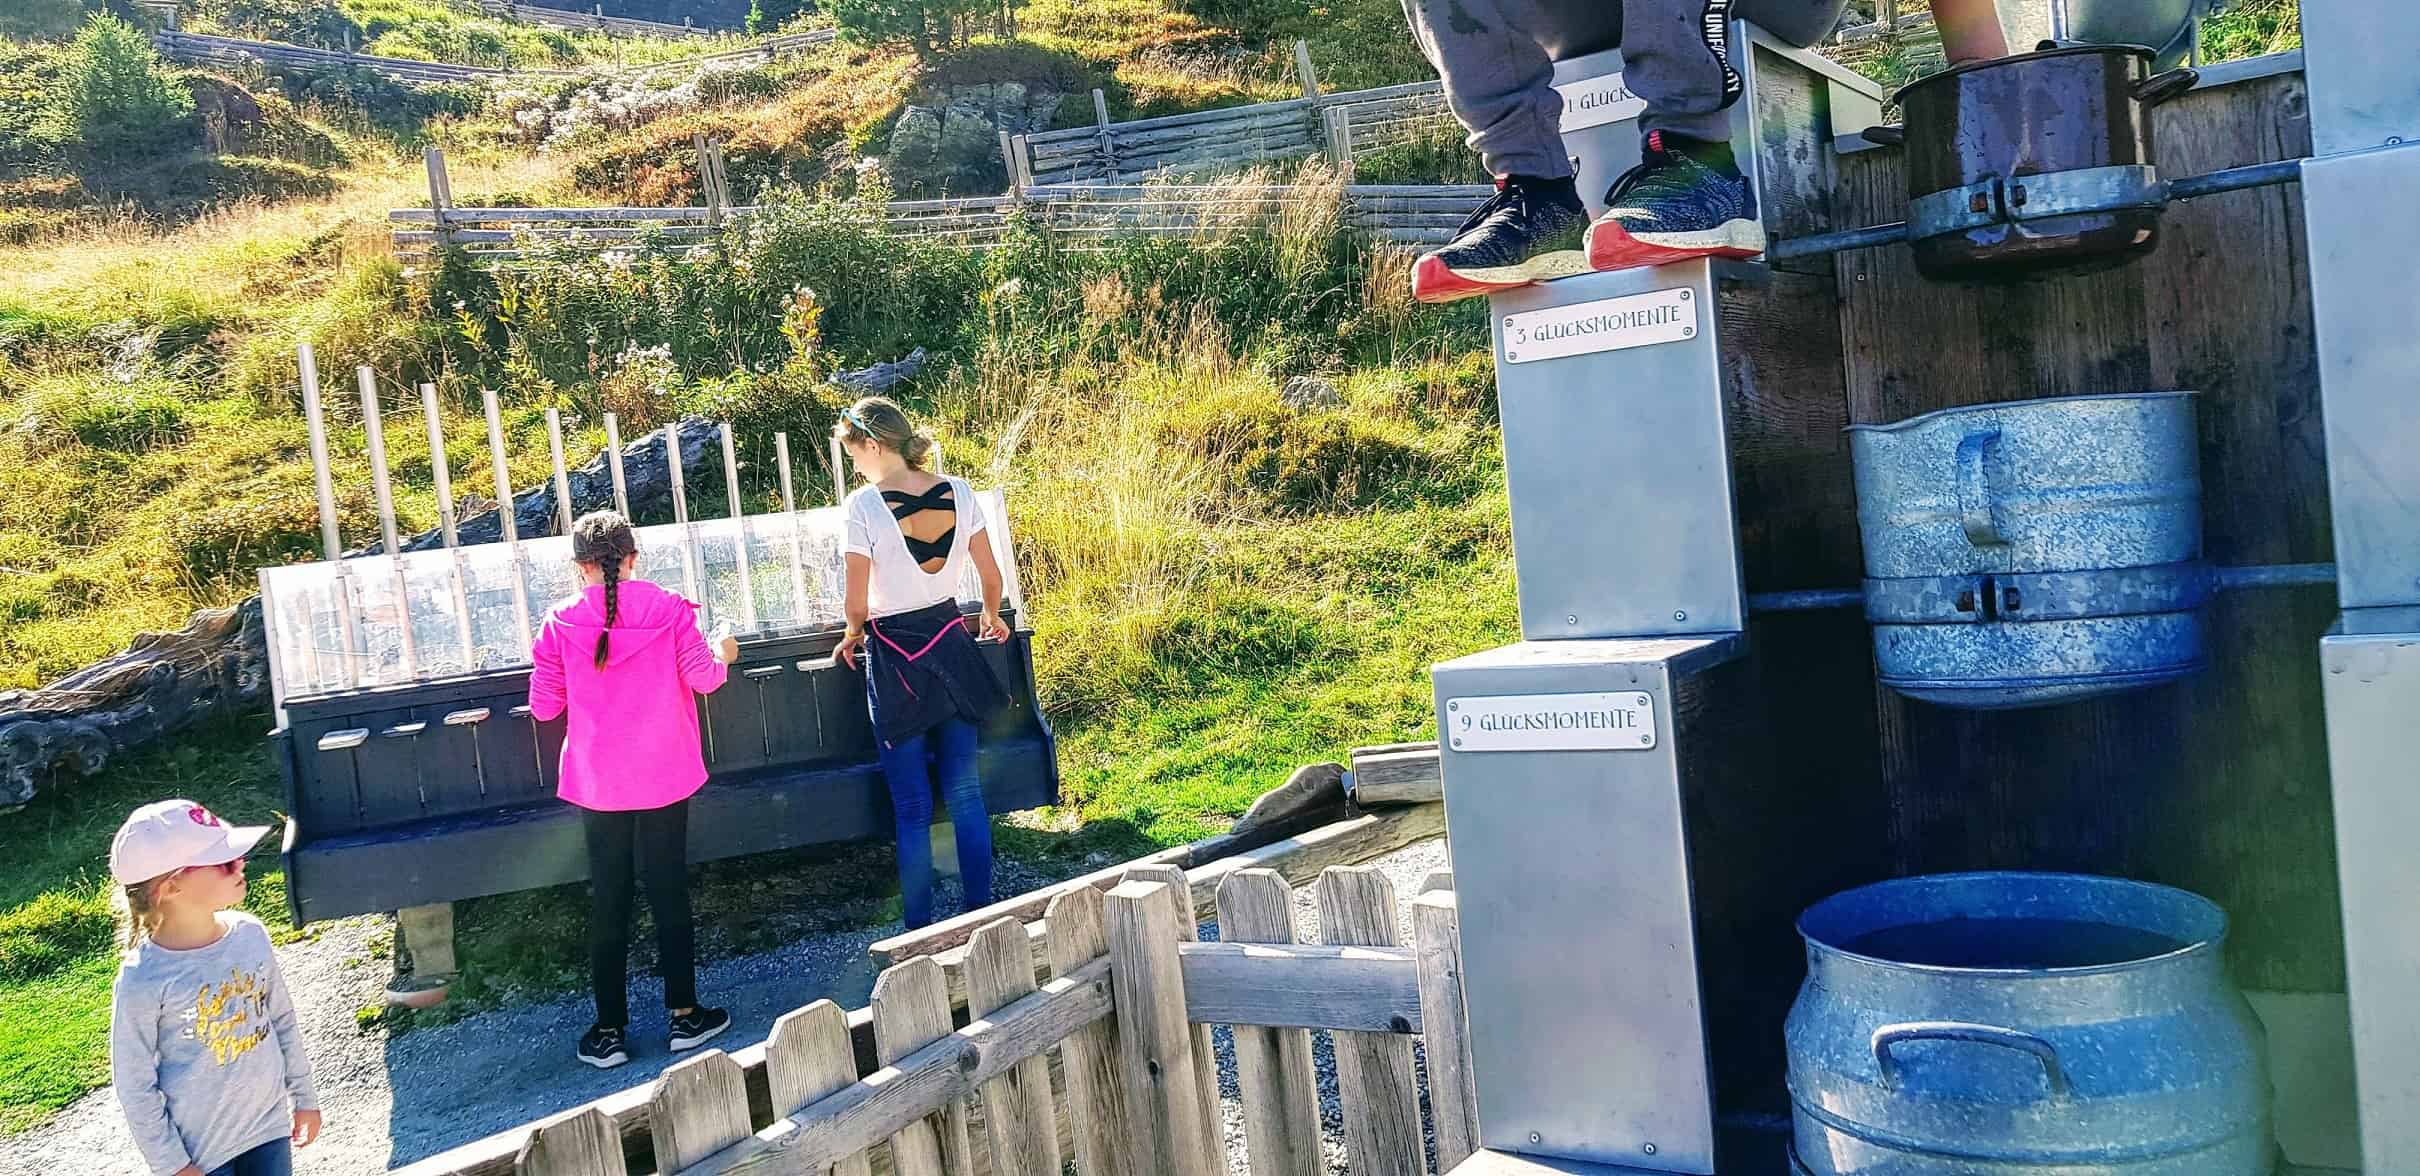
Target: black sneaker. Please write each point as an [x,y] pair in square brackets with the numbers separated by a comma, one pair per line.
[1529,231]
[603,1048]
[1685,199]
[698,1027]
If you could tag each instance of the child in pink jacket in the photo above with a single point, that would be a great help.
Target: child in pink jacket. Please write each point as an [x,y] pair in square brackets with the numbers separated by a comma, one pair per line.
[621,661]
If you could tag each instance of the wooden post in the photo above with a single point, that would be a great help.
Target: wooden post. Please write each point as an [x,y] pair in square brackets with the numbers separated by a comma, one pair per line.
[911,1009]
[1339,125]
[1104,141]
[1205,1059]
[1373,1070]
[1169,1135]
[1088,1059]
[1008,160]
[808,1057]
[698,1107]
[710,180]
[1453,1100]
[1280,1093]
[1020,1117]
[429,931]
[1025,165]
[1304,69]
[585,1144]
[441,187]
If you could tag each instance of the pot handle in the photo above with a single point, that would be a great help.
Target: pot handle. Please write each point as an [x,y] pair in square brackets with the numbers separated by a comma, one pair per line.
[1975,498]
[1887,1065]
[2152,91]
[1885,136]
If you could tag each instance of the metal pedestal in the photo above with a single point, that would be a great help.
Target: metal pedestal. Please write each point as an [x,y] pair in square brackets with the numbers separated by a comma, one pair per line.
[2364,246]
[1563,786]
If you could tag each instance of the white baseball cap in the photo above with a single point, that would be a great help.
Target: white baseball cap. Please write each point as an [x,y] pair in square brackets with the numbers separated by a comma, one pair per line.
[169,835]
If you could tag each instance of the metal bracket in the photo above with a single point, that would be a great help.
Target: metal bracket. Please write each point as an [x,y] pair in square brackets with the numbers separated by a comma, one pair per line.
[2037,596]
[2014,199]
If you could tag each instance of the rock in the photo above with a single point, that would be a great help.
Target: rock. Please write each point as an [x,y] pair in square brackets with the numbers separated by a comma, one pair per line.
[1310,393]
[916,139]
[229,115]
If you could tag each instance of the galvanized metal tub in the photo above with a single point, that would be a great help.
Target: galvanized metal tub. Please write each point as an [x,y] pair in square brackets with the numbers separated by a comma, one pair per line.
[2023,1023]
[2033,552]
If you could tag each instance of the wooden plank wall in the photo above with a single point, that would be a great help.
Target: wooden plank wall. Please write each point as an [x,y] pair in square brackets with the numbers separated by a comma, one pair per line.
[2218,784]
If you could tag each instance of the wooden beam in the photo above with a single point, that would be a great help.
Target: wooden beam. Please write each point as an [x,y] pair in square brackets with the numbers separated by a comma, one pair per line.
[1452,1097]
[1374,1078]
[1302,986]
[1170,1135]
[1345,843]
[1275,1077]
[1411,775]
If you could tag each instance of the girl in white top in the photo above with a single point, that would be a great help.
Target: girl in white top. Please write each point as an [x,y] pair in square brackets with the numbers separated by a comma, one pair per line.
[911,535]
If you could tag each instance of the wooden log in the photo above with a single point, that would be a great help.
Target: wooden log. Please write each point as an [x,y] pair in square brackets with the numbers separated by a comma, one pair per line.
[1312,788]
[1019,1115]
[1169,1133]
[912,1010]
[1374,1076]
[1096,1105]
[809,1057]
[582,1143]
[1453,1099]
[1398,777]
[1308,986]
[1301,859]
[1278,1087]
[700,1107]
[903,1095]
[1205,1056]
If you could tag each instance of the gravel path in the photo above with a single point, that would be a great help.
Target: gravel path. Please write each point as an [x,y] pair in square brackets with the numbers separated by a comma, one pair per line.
[390,1101]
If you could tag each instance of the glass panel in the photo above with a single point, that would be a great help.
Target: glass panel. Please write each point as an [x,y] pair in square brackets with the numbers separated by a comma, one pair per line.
[340,627]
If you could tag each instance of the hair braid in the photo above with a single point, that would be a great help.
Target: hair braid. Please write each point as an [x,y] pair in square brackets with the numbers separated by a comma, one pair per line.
[613,579]
[605,539]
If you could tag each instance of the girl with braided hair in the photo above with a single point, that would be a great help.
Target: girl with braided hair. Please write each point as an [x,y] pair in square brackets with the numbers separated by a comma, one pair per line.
[622,662]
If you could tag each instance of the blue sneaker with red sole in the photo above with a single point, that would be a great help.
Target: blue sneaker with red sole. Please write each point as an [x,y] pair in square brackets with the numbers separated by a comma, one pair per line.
[1685,199]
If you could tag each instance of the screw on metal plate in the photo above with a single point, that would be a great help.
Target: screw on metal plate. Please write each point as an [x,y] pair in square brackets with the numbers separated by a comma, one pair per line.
[1572,619]
[1454,705]
[1457,743]
[1688,332]
[1512,355]
[1536,1138]
[1685,295]
[1680,614]
[1646,741]
[1648,1148]
[1642,700]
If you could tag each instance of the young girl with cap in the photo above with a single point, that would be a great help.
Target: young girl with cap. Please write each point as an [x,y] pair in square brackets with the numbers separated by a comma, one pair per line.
[623,662]
[204,1050]
[911,534]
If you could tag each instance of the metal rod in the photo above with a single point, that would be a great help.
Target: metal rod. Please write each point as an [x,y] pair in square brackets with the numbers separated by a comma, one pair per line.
[613,461]
[840,476]
[2275,576]
[739,522]
[1806,600]
[554,452]
[2235,179]
[505,510]
[789,507]
[1823,243]
[446,525]
[940,463]
[330,541]
[375,430]
[680,515]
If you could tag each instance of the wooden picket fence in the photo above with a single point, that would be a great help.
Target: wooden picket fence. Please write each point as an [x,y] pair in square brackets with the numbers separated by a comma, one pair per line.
[1338,126]
[1100,1060]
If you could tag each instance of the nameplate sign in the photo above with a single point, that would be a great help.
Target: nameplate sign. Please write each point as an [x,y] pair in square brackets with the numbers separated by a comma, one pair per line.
[1607,324]
[1593,102]
[1622,720]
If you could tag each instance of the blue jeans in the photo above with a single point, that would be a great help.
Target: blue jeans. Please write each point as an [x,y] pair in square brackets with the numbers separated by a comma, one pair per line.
[275,1158]
[947,752]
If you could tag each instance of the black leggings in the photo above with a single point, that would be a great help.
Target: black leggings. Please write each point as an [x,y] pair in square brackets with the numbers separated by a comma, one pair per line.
[653,843]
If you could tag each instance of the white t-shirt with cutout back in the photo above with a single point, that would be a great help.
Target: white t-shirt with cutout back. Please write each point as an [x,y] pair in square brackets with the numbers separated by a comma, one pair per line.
[899,583]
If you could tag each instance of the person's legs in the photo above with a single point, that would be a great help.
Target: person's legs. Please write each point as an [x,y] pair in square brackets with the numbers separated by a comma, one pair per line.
[663,845]
[962,789]
[274,1158]
[609,879]
[911,783]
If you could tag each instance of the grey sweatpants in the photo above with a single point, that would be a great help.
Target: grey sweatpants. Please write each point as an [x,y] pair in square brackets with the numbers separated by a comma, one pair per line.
[1496,58]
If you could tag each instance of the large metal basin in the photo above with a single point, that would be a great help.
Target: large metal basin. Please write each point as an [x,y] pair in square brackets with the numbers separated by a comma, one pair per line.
[2033,552]
[2023,1024]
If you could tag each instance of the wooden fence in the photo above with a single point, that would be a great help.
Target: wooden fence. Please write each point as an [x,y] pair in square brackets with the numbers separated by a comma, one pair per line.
[565,18]
[1092,1056]
[1080,216]
[234,52]
[1338,126]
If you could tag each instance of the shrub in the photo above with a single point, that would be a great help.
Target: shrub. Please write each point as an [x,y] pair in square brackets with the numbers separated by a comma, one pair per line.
[52,932]
[40,18]
[115,94]
[238,538]
[101,415]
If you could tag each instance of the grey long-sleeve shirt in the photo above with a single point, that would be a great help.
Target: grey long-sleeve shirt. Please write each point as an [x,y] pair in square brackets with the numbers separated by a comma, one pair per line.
[204,1049]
